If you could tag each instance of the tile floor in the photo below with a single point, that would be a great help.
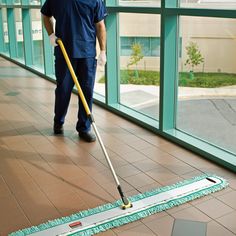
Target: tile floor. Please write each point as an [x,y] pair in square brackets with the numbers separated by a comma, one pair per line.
[44,177]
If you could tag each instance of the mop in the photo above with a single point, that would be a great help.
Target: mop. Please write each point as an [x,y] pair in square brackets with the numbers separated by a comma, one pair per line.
[102,218]
[123,211]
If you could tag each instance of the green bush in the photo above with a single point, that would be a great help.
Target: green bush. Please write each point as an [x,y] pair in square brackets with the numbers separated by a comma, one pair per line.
[207,80]
[145,77]
[202,80]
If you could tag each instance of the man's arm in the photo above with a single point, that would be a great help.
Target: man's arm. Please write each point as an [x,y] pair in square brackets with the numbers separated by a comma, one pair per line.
[48,23]
[101,35]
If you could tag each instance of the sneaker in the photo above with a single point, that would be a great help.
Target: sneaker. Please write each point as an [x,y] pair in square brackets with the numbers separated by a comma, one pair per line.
[87,136]
[58,129]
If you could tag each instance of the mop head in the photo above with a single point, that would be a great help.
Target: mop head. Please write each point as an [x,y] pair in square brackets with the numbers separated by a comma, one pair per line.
[102,218]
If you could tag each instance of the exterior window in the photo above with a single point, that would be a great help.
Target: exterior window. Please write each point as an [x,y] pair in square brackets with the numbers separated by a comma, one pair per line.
[155,47]
[150,45]
[126,43]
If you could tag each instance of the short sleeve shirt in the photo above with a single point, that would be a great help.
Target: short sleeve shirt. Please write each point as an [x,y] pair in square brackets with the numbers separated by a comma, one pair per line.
[75,24]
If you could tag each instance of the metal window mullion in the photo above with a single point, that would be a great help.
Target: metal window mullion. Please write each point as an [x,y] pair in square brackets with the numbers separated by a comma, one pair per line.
[1,32]
[113,67]
[168,67]
[48,52]
[28,41]
[12,32]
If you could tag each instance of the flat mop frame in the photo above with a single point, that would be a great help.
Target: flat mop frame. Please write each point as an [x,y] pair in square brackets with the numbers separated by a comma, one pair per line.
[125,200]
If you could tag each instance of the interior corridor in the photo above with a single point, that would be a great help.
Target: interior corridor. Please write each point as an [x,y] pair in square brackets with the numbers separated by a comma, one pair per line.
[43,177]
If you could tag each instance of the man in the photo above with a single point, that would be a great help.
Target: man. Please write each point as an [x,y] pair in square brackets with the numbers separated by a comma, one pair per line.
[78,23]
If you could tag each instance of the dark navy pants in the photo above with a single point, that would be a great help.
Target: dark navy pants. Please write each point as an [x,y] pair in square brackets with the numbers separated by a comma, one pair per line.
[85,70]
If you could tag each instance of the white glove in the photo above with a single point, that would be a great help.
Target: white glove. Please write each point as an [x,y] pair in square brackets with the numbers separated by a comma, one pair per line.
[53,38]
[102,58]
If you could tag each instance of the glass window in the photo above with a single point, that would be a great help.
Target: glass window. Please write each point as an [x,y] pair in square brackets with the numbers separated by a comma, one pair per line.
[211,4]
[37,38]
[99,86]
[150,45]
[5,32]
[155,3]
[126,44]
[19,34]
[207,80]
[139,66]
[17,2]
[155,46]
[144,42]
[34,2]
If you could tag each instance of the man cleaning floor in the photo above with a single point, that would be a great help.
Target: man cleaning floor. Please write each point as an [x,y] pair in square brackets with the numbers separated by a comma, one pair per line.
[78,23]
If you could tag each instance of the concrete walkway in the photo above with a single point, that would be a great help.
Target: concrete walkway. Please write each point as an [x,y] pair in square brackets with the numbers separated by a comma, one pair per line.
[208,113]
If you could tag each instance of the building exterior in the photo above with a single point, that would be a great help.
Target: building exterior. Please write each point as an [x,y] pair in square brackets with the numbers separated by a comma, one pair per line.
[215,37]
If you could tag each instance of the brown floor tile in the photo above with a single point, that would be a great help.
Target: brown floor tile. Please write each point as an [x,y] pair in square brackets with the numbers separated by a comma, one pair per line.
[133,156]
[126,227]
[68,203]
[122,149]
[12,216]
[232,183]
[54,190]
[116,161]
[161,175]
[162,226]
[154,153]
[37,206]
[126,171]
[93,194]
[181,207]
[191,213]
[228,221]
[140,144]
[229,199]
[140,230]
[170,147]
[214,208]
[149,187]
[215,229]
[139,180]
[178,167]
[4,189]
[146,164]
[154,217]
[107,233]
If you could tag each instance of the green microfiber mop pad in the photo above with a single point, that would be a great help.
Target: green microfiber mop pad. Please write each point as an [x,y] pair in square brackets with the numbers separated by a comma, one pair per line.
[108,216]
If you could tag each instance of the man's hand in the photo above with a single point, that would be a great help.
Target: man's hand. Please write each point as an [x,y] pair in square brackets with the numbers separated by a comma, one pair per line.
[53,38]
[102,58]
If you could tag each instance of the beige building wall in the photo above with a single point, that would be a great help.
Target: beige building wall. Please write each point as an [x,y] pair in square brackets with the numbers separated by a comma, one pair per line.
[216,38]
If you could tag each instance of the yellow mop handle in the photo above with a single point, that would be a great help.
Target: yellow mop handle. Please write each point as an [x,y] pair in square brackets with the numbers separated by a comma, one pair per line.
[72,72]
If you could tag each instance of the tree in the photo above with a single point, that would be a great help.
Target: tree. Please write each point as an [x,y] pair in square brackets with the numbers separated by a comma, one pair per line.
[194,56]
[136,56]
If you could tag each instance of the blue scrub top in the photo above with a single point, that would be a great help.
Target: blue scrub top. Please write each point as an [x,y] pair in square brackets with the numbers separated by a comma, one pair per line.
[75,24]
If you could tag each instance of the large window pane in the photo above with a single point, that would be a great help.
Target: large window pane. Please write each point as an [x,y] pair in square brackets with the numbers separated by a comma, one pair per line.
[211,4]
[17,2]
[19,35]
[140,2]
[99,86]
[207,80]
[34,2]
[5,32]
[37,39]
[140,62]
